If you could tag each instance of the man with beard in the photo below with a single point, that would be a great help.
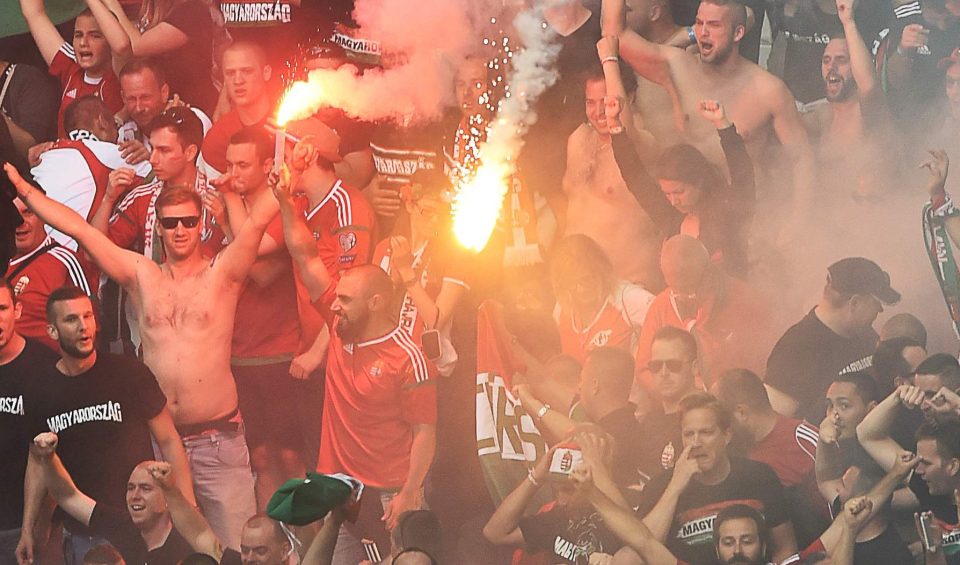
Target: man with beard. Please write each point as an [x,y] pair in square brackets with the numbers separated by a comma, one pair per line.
[97,404]
[855,122]
[380,403]
[755,100]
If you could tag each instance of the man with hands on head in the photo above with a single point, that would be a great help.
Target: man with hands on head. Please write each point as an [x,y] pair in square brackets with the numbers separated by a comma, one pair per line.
[158,526]
[571,531]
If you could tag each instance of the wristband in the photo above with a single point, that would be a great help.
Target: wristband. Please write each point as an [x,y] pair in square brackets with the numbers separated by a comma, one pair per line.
[691,34]
[610,59]
[543,411]
[532,479]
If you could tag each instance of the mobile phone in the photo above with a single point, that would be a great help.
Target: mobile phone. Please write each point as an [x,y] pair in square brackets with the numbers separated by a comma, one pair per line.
[430,344]
[564,460]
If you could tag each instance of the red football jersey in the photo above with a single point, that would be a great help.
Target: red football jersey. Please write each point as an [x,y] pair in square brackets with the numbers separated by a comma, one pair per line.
[48,267]
[266,324]
[76,83]
[790,449]
[376,391]
[342,224]
[617,324]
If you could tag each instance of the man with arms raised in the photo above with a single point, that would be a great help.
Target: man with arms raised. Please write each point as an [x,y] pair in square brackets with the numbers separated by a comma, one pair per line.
[185,310]
[754,99]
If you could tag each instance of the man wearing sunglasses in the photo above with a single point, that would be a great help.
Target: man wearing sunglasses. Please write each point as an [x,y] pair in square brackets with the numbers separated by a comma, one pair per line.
[185,310]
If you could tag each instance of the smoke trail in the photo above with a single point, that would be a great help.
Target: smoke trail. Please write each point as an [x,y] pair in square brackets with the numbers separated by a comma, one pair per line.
[479,199]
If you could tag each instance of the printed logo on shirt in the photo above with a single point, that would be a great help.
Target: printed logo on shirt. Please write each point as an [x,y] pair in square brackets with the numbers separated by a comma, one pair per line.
[377,369]
[858,365]
[21,285]
[668,455]
[72,93]
[255,12]
[403,167]
[348,347]
[348,241]
[11,405]
[106,412]
[696,524]
[601,338]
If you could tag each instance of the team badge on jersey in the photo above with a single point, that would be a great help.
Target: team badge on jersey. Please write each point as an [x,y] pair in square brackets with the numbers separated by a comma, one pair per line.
[668,455]
[22,283]
[601,338]
[348,241]
[377,369]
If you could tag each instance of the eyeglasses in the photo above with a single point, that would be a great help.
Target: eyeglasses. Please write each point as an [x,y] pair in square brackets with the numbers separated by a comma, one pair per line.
[672,365]
[170,222]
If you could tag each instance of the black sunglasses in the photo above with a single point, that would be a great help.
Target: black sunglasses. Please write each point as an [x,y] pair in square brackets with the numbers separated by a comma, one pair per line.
[673,365]
[170,222]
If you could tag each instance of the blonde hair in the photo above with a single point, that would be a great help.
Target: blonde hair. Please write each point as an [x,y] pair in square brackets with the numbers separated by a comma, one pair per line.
[152,12]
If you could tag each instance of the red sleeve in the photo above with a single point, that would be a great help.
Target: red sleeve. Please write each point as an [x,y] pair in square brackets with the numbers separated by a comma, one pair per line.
[125,228]
[418,396]
[816,546]
[275,230]
[63,66]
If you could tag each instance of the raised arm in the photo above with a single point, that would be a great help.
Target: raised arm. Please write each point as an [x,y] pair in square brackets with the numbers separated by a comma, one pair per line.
[874,431]
[120,265]
[503,528]
[239,256]
[648,59]
[44,33]
[938,167]
[861,63]
[622,522]
[660,518]
[188,521]
[113,32]
[300,243]
[829,464]
[58,482]
[157,40]
[435,313]
[743,191]
[793,136]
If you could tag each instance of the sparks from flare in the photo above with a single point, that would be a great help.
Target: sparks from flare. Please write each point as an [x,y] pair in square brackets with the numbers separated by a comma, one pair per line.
[477,204]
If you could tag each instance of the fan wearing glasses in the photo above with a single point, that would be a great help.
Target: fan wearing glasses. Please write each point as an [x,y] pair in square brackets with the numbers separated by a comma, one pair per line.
[185,310]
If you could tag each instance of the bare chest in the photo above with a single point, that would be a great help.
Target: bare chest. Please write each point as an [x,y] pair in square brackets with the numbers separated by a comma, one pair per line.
[185,305]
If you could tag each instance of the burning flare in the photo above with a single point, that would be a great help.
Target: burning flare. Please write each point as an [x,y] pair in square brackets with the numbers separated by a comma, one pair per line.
[477,204]
[300,101]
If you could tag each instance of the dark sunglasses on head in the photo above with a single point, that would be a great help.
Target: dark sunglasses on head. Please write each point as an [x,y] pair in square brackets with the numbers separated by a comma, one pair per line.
[170,222]
[673,365]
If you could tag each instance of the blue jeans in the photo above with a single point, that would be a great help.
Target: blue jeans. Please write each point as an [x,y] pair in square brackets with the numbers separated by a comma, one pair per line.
[223,482]
[8,546]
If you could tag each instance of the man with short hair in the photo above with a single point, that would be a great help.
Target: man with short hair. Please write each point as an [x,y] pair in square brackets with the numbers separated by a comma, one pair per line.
[40,266]
[83,66]
[380,389]
[266,332]
[729,318]
[97,403]
[754,99]
[262,542]
[75,170]
[680,505]
[787,445]
[938,449]
[20,359]
[145,93]
[185,310]
[835,337]
[904,324]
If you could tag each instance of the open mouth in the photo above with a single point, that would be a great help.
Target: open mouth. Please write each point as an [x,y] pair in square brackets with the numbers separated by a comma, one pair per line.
[706,47]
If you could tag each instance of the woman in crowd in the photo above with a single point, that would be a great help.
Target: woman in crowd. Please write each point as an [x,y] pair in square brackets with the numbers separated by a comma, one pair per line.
[179,33]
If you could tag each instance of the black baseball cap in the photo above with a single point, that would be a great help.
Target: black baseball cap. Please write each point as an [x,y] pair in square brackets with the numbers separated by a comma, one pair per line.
[857,275]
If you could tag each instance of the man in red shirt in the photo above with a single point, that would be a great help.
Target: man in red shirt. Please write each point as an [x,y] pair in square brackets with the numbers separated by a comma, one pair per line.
[266,330]
[787,445]
[83,66]
[379,410]
[729,319]
[40,266]
[245,77]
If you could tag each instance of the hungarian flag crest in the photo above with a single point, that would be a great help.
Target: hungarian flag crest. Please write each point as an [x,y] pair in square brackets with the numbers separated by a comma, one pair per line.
[508,442]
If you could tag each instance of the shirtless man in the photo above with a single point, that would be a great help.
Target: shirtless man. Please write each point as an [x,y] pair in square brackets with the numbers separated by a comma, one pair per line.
[599,204]
[855,121]
[185,309]
[755,100]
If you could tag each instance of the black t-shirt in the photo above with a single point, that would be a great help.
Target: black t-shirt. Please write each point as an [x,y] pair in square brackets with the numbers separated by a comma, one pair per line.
[926,81]
[569,535]
[32,101]
[623,426]
[115,526]
[809,356]
[14,438]
[660,444]
[886,549]
[807,29]
[189,68]
[690,537]
[101,419]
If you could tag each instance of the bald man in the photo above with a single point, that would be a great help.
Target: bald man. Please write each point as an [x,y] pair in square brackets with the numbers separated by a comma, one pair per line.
[906,325]
[729,319]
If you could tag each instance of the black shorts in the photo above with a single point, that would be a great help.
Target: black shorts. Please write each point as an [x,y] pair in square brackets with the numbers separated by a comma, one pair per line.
[268,399]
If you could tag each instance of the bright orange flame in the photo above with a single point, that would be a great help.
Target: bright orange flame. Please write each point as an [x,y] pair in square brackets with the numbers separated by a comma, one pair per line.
[477,205]
[301,101]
